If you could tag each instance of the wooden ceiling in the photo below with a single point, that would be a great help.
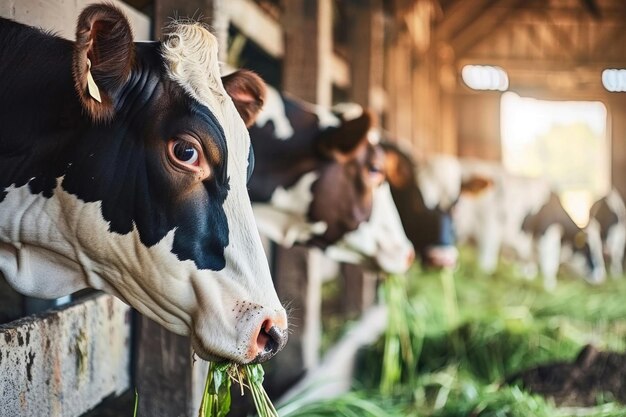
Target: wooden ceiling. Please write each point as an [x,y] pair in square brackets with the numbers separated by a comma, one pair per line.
[563,44]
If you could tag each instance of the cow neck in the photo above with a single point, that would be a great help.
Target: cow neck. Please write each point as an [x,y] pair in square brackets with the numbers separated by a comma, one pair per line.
[39,105]
[139,89]
[282,162]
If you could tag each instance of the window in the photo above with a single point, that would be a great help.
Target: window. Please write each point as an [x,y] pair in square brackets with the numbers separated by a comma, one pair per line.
[485,77]
[614,80]
[563,141]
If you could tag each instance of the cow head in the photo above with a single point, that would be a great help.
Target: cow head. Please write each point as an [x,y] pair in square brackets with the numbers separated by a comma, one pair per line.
[315,172]
[428,228]
[380,242]
[138,186]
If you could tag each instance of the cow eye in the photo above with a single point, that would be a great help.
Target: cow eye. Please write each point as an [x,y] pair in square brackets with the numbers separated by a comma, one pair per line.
[375,169]
[185,152]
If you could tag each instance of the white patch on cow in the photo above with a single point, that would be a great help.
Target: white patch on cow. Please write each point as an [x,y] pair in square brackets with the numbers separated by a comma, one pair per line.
[285,228]
[80,252]
[274,111]
[325,117]
[439,180]
[381,239]
[348,111]
[284,218]
[297,198]
[549,255]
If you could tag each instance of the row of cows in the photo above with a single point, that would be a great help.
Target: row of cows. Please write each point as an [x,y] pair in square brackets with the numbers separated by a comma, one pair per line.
[141,170]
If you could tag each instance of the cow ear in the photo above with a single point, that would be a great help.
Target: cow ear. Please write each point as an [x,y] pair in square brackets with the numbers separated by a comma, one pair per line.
[398,170]
[104,54]
[248,93]
[342,142]
[476,185]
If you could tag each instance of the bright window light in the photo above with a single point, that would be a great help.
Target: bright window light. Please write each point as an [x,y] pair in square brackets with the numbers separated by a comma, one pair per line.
[614,80]
[485,77]
[565,142]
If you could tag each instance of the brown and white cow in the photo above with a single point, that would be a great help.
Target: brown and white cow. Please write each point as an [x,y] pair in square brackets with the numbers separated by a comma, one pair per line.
[123,167]
[319,181]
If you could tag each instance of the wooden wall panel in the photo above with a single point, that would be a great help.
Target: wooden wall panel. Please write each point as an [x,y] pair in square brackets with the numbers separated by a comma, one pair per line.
[479,125]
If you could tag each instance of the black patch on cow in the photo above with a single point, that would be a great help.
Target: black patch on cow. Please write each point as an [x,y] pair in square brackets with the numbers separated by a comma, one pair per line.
[607,218]
[45,135]
[251,161]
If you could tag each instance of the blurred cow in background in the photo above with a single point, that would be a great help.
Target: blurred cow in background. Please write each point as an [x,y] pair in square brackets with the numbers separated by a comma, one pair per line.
[607,217]
[428,227]
[499,210]
[319,181]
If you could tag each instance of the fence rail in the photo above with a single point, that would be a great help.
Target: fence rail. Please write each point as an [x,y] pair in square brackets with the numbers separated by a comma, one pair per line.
[65,361]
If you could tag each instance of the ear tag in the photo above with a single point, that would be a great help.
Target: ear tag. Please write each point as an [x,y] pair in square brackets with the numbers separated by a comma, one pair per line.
[92,87]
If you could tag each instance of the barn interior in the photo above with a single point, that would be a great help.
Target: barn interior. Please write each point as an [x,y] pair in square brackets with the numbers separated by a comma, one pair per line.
[536,88]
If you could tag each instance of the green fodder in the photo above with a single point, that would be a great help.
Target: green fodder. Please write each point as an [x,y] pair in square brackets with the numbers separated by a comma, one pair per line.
[403,335]
[216,400]
[477,330]
[352,404]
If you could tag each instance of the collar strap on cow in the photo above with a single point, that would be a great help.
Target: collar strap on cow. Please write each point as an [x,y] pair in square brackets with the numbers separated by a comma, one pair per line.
[92,87]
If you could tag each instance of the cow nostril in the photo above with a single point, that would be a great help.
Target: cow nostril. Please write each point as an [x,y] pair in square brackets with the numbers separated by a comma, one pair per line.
[270,340]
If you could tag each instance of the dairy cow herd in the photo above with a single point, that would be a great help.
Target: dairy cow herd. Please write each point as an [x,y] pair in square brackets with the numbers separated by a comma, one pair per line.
[141,169]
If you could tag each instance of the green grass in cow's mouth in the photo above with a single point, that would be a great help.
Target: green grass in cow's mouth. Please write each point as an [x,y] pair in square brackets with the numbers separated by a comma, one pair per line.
[216,399]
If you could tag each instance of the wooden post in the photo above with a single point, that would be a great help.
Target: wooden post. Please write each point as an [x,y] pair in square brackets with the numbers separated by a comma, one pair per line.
[358,290]
[298,284]
[308,50]
[169,380]
[366,54]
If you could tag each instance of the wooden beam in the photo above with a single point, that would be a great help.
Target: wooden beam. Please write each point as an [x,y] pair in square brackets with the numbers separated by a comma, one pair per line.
[533,15]
[541,65]
[458,16]
[484,26]
[258,26]
[564,41]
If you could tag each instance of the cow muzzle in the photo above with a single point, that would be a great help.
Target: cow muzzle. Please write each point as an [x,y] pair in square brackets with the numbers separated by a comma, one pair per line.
[269,341]
[441,256]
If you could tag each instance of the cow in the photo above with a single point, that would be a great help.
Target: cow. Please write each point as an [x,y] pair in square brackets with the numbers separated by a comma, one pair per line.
[123,168]
[317,181]
[429,228]
[499,210]
[607,218]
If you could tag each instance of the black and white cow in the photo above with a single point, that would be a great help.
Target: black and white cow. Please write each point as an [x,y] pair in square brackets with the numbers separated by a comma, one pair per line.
[607,218]
[123,167]
[499,210]
[318,181]
[429,228]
